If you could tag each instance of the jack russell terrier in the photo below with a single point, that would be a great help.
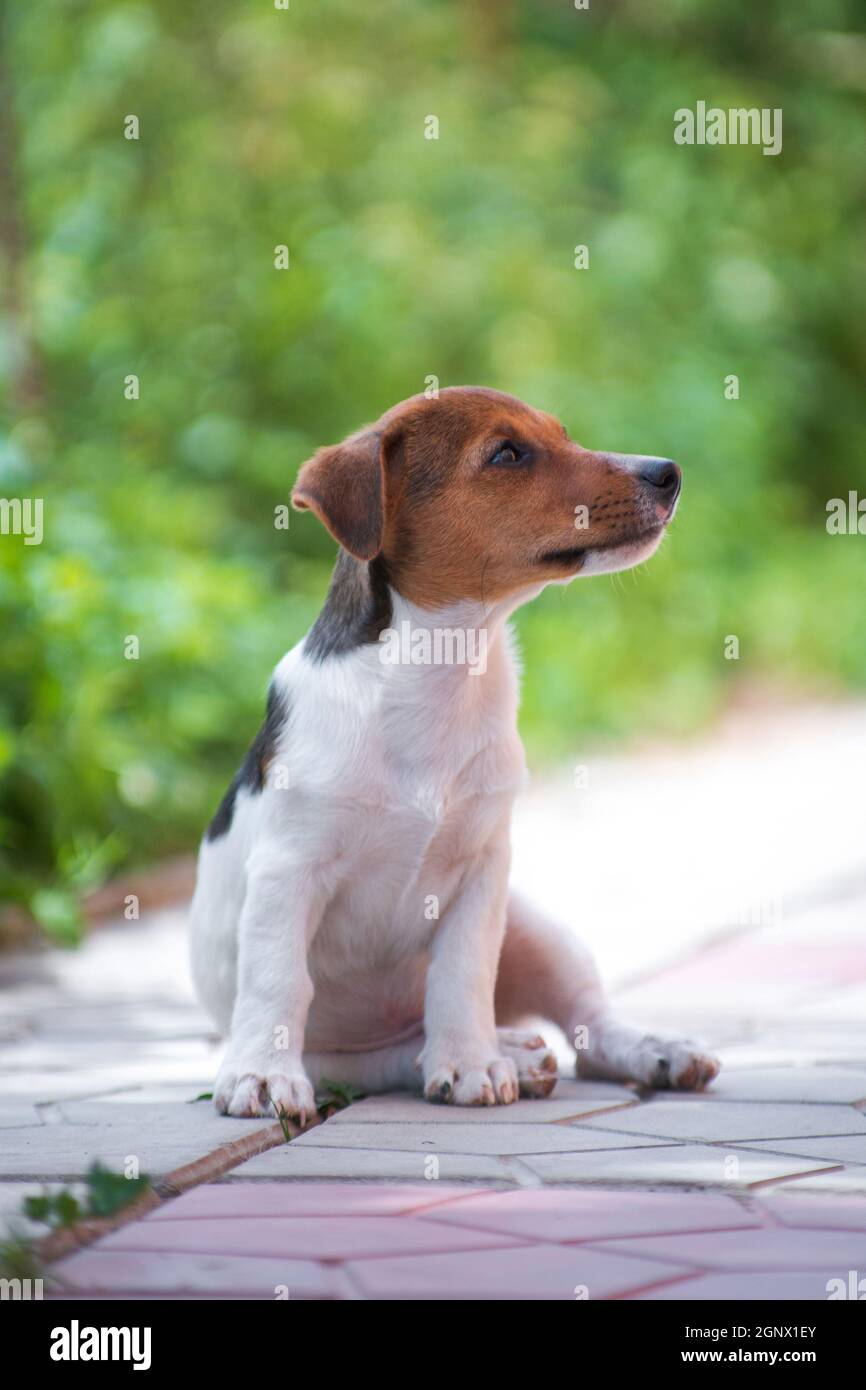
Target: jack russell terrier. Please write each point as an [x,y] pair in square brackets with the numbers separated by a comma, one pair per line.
[353,918]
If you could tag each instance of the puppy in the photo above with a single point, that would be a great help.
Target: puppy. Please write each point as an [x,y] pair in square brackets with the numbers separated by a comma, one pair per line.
[352,917]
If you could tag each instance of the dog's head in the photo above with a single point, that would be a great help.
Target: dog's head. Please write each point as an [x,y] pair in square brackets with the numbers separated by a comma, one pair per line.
[473,494]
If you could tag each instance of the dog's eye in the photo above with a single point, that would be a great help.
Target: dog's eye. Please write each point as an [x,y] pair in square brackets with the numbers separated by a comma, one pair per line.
[507,455]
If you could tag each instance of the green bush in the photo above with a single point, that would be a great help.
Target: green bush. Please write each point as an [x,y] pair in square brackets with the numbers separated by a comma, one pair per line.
[408,258]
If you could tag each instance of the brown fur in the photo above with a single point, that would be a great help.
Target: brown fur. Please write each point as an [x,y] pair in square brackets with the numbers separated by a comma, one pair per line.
[418,489]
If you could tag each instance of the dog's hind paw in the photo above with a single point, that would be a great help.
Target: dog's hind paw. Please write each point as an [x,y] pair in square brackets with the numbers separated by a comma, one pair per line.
[536,1064]
[620,1053]
[676,1064]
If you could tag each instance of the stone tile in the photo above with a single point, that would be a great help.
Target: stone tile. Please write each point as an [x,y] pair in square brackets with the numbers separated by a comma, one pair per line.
[403,1109]
[533,1272]
[760,1286]
[302,1237]
[840,1005]
[297,1161]
[48,1084]
[170,1092]
[736,1120]
[824,1085]
[693,1164]
[239,1200]
[67,1150]
[844,1181]
[165,1119]
[831,1047]
[844,1148]
[439,1137]
[562,1215]
[733,976]
[119,1273]
[18,1115]
[827,1213]
[43,1087]
[776,1248]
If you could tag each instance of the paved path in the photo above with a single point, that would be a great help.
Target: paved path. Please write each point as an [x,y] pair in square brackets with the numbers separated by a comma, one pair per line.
[755,1190]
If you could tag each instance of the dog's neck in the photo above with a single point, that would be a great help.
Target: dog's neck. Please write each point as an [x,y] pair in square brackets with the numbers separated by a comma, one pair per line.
[361,609]
[459,657]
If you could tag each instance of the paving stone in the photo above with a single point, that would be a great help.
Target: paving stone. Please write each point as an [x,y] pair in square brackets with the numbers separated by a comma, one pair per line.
[68,1150]
[302,1237]
[844,1181]
[808,1286]
[45,1085]
[732,977]
[187,1122]
[776,1248]
[171,1093]
[439,1137]
[533,1272]
[120,1273]
[842,1004]
[827,1213]
[562,1215]
[297,1161]
[693,1164]
[18,1115]
[801,1042]
[844,1148]
[402,1109]
[736,1120]
[238,1200]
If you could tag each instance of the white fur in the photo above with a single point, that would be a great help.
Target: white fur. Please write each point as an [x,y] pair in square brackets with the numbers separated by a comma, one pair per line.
[353,917]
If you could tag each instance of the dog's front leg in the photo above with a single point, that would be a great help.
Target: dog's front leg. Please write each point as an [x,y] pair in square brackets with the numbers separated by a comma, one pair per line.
[461,1060]
[262,1071]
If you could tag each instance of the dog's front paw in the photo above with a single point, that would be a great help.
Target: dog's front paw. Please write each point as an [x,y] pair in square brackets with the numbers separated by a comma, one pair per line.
[252,1090]
[490,1082]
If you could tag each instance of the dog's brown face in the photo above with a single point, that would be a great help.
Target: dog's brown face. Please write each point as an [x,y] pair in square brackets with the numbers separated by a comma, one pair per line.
[476,495]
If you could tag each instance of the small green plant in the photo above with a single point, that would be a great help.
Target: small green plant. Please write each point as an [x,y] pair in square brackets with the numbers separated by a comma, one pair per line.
[336,1095]
[109,1192]
[105,1194]
[54,1209]
[18,1258]
[283,1121]
[205,1095]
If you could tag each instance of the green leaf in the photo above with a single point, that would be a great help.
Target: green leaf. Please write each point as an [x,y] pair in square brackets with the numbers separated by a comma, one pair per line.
[110,1192]
[39,1208]
[59,913]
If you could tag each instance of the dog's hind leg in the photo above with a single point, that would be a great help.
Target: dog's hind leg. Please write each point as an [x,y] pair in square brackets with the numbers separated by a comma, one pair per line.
[544,971]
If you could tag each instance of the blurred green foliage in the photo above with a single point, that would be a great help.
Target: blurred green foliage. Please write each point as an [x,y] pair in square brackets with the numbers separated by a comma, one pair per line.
[409,258]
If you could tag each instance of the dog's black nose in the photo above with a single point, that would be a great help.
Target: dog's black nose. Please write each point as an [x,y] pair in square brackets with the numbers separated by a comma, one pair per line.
[662,474]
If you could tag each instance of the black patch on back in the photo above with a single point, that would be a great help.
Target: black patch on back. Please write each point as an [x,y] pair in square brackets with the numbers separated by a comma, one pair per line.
[356,610]
[251,773]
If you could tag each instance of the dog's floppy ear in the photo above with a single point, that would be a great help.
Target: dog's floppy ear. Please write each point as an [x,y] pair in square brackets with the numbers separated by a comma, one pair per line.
[344,486]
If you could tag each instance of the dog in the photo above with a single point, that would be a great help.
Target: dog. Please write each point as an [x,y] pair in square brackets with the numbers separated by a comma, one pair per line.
[352,918]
